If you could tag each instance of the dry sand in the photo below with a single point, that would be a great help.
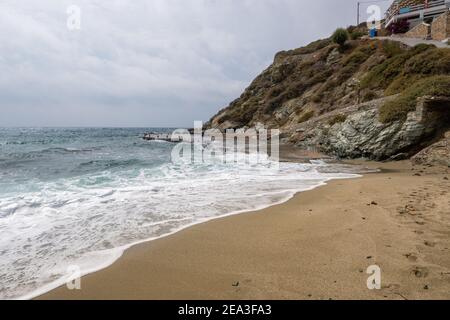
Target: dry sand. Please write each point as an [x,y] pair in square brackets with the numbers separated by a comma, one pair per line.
[316,246]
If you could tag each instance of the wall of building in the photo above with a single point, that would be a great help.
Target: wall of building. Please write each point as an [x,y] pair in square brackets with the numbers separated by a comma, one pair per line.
[440,28]
[397,4]
[421,31]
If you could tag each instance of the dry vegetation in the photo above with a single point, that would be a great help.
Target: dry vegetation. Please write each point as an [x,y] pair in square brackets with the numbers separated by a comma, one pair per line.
[398,108]
[412,73]
[324,76]
[337,119]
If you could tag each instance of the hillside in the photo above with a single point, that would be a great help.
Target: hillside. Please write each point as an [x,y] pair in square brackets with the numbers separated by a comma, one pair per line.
[372,98]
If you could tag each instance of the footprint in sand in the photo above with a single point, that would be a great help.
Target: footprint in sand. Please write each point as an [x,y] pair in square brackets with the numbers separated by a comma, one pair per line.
[411,257]
[391,286]
[430,244]
[420,272]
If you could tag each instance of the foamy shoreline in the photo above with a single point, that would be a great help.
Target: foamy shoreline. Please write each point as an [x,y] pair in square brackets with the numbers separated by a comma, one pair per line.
[117,253]
[89,218]
[317,245]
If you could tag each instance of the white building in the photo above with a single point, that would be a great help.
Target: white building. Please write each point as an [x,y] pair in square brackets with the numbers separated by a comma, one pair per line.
[415,11]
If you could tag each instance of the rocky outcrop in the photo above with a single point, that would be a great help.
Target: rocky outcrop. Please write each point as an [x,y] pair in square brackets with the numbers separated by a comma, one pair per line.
[436,154]
[326,98]
[300,83]
[361,134]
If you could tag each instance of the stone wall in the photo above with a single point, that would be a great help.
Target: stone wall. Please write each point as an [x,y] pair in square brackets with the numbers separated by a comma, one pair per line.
[421,31]
[440,28]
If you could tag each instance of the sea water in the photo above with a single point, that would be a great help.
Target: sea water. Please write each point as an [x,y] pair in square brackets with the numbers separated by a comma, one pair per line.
[81,196]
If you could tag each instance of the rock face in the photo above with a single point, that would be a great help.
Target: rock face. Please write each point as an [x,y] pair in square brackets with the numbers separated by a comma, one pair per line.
[320,98]
[361,134]
[436,154]
[290,90]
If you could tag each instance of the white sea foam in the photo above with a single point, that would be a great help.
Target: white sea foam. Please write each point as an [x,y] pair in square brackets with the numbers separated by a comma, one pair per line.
[72,222]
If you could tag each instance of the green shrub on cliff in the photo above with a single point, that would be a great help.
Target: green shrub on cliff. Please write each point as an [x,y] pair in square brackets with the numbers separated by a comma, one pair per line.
[435,61]
[382,75]
[356,57]
[431,62]
[310,48]
[306,116]
[356,34]
[340,36]
[391,48]
[398,108]
[368,96]
[352,62]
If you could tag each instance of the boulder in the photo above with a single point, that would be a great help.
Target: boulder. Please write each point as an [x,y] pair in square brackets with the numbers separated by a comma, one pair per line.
[436,154]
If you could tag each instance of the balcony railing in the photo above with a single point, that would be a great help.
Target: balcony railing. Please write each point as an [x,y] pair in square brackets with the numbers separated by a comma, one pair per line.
[391,15]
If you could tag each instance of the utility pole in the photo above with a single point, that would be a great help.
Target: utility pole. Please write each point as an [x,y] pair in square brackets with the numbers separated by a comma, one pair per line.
[357,14]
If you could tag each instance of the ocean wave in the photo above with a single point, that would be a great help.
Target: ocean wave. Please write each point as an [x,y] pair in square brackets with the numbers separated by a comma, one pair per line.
[36,154]
[85,201]
[62,151]
[72,223]
[108,164]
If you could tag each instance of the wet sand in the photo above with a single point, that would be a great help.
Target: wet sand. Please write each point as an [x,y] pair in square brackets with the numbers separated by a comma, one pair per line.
[318,245]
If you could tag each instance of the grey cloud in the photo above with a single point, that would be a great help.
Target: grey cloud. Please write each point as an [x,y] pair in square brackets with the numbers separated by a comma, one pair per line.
[145,63]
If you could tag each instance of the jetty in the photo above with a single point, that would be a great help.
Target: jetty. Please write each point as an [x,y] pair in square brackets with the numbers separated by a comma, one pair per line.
[157,136]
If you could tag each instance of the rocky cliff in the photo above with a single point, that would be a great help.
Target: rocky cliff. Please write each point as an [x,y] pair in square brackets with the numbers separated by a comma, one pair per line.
[369,98]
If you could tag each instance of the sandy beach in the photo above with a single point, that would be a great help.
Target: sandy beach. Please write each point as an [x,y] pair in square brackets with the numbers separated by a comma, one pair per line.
[318,245]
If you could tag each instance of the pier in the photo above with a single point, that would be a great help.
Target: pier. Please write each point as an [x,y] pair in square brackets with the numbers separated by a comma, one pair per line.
[155,136]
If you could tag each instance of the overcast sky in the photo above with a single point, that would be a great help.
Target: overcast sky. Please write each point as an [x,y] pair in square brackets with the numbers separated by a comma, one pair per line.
[145,62]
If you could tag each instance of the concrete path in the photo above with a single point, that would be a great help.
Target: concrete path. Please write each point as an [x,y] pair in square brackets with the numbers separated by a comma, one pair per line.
[411,42]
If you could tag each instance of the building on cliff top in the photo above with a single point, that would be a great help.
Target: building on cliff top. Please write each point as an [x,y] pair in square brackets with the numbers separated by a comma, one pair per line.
[416,11]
